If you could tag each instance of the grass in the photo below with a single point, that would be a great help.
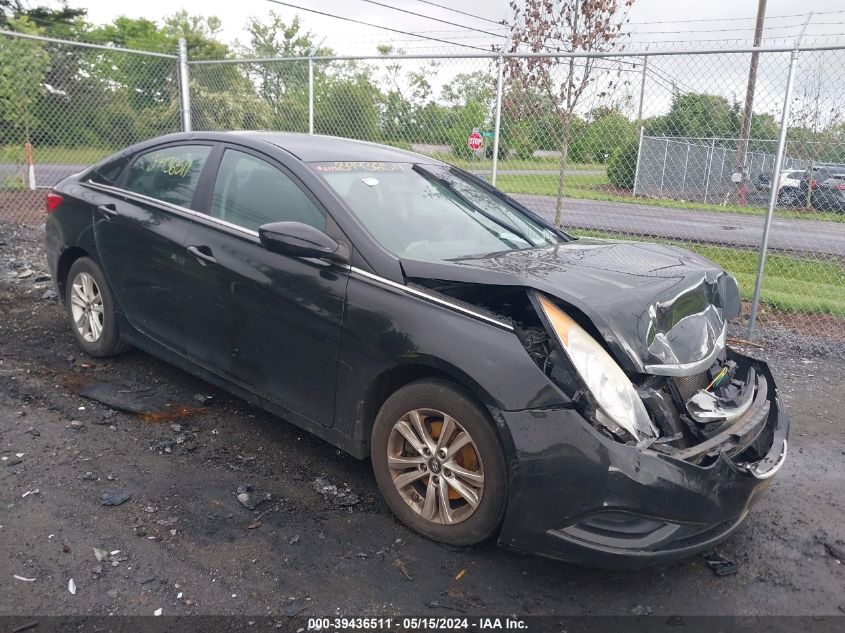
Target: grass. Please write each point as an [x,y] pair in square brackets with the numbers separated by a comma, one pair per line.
[598,187]
[540,162]
[794,284]
[46,155]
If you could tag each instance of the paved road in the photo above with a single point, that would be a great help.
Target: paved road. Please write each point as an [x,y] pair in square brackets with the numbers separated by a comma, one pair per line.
[46,175]
[640,219]
[687,224]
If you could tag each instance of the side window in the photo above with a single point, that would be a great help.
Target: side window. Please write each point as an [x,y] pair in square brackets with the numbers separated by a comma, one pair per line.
[169,174]
[250,192]
[110,172]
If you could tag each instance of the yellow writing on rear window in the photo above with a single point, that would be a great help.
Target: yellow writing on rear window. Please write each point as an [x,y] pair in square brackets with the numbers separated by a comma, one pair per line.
[170,165]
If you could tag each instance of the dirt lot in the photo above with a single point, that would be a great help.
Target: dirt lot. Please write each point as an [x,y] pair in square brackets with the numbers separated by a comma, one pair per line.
[324,543]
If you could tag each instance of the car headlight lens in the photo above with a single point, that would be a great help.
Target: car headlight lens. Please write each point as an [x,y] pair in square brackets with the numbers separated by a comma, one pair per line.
[620,405]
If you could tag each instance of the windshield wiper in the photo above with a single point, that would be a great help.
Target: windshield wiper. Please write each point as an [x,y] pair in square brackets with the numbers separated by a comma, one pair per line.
[443,182]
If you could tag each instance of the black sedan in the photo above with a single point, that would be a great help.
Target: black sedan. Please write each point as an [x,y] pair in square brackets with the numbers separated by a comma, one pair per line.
[570,397]
[829,194]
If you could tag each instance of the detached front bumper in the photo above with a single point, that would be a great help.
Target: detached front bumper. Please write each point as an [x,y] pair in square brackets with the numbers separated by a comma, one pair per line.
[579,496]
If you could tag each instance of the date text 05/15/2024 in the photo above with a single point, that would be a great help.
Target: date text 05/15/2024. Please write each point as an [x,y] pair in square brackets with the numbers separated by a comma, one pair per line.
[417,623]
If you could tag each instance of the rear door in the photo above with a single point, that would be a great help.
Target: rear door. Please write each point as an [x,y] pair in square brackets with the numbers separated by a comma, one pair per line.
[269,322]
[140,235]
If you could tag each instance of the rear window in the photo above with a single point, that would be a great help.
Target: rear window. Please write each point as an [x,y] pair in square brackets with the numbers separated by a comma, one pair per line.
[169,174]
[109,173]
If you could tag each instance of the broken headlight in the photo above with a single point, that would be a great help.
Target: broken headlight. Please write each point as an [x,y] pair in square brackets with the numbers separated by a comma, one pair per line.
[620,407]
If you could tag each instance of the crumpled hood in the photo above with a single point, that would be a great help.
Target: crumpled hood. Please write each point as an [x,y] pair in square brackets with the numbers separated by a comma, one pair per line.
[656,306]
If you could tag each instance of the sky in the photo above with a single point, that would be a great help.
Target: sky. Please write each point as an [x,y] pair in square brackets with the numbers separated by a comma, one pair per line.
[676,23]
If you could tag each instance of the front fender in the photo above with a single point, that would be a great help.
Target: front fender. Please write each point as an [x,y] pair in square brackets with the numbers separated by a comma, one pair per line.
[386,329]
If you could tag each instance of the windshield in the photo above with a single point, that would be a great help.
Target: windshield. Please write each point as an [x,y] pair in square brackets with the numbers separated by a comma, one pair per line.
[430,212]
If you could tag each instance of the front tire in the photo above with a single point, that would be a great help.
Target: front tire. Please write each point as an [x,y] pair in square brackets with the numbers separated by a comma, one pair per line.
[439,463]
[90,310]
[788,197]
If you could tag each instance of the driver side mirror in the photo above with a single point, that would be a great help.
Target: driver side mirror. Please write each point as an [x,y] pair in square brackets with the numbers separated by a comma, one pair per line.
[297,239]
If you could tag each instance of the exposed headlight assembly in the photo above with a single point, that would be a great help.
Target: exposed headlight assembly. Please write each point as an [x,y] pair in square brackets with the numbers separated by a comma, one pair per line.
[620,408]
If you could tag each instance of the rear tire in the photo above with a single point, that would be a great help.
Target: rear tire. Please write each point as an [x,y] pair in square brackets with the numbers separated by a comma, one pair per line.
[434,436]
[90,310]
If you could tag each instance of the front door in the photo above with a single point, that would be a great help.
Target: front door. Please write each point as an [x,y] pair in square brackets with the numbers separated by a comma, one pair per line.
[269,322]
[140,228]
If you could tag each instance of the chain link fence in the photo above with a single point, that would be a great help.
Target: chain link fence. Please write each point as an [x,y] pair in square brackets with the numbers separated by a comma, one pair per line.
[66,105]
[652,146]
[702,169]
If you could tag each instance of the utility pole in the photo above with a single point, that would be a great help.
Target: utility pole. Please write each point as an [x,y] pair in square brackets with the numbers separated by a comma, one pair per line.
[741,166]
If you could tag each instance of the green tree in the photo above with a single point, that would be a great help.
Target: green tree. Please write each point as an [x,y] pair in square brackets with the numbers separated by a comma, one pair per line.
[234,109]
[697,115]
[764,127]
[566,26]
[283,86]
[432,122]
[143,93]
[623,165]
[604,137]
[23,65]
[346,103]
[465,88]
[469,99]
[408,111]
[56,22]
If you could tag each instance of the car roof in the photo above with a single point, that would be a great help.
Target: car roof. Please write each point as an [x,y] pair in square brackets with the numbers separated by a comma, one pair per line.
[318,148]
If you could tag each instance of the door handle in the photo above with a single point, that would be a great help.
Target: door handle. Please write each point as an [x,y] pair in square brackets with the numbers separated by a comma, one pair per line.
[203,253]
[108,210]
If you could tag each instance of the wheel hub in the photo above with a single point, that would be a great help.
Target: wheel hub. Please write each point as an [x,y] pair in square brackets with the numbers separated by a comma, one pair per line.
[435,466]
[86,304]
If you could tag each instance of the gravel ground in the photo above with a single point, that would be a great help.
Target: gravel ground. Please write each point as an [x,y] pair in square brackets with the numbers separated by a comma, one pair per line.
[324,543]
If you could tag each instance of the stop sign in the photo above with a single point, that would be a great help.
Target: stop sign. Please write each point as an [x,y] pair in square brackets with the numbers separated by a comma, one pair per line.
[475,141]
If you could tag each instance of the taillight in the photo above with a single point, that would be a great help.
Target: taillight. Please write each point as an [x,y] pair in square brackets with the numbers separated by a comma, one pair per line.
[52,202]
[814,183]
[840,187]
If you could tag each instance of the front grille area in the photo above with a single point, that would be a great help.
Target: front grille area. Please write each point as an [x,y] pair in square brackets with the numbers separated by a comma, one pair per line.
[688,386]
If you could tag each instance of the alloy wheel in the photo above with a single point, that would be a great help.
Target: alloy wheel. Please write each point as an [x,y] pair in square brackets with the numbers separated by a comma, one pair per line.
[788,198]
[436,466]
[86,305]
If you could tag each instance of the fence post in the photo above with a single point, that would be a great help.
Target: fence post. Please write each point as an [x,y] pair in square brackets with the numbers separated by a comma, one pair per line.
[663,170]
[310,95]
[642,94]
[639,157]
[183,85]
[498,120]
[684,181]
[709,166]
[773,194]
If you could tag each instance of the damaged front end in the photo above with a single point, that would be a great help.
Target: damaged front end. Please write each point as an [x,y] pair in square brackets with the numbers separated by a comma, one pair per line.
[660,486]
[664,436]
[723,409]
[705,401]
